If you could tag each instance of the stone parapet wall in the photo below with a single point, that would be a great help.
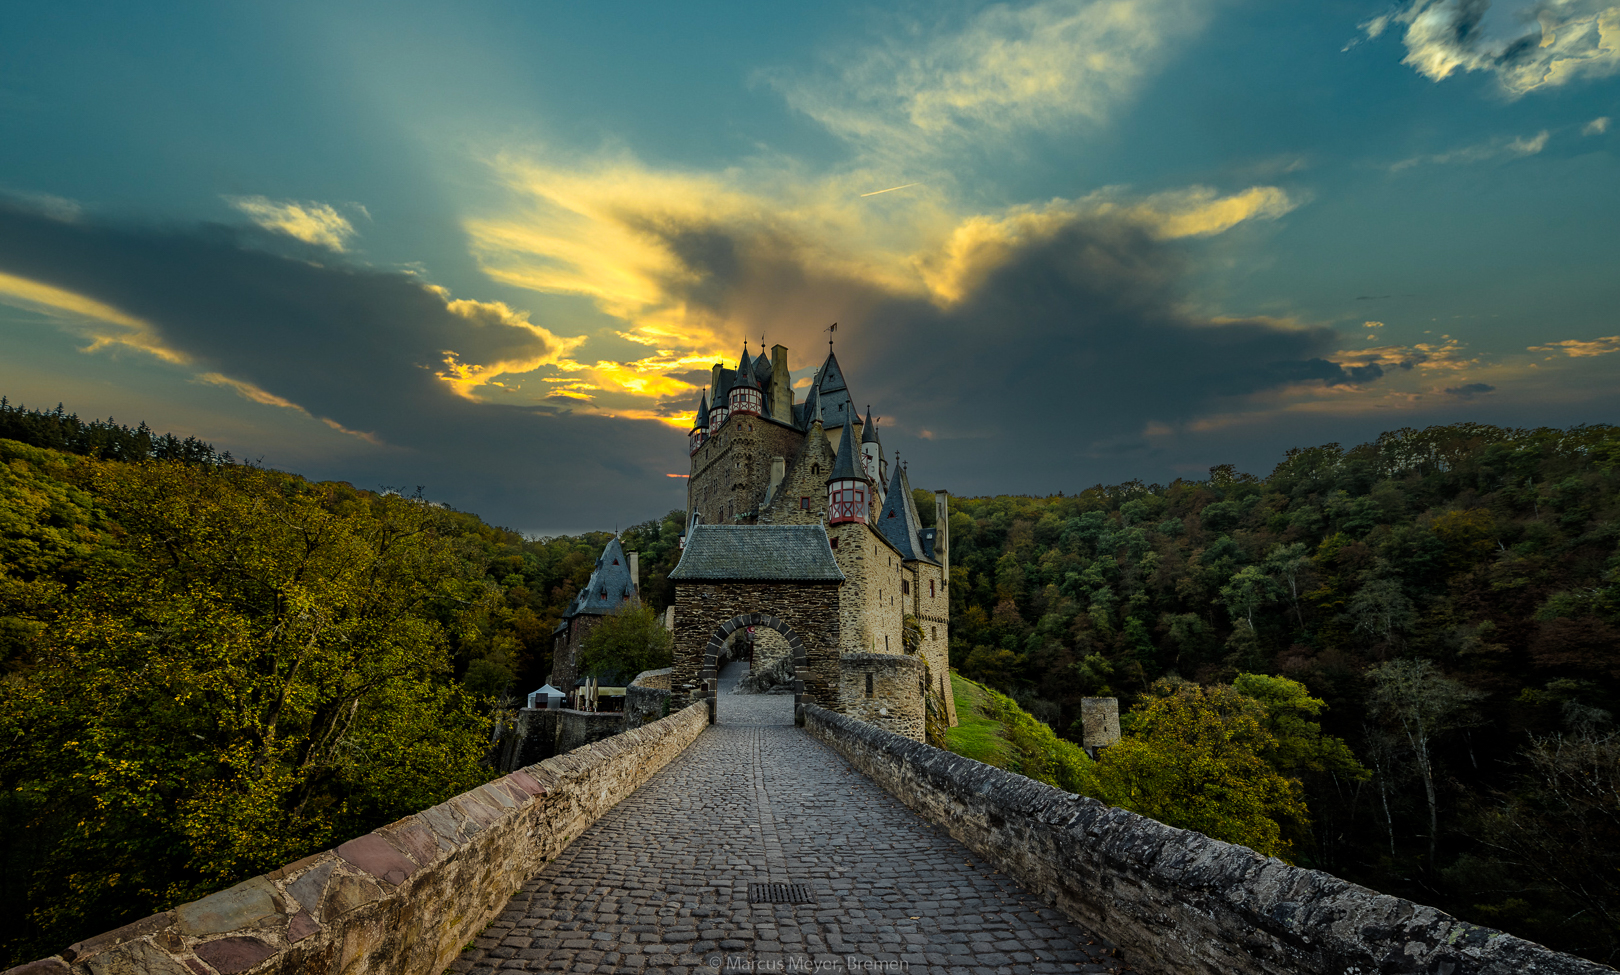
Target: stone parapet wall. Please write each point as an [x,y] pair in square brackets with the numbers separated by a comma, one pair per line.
[896,703]
[652,679]
[403,900]
[1171,899]
[646,698]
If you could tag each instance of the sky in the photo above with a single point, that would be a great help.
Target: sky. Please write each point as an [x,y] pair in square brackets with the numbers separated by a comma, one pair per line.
[492,249]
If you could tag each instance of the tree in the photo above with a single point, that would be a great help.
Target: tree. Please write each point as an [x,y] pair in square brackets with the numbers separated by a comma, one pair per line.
[1422,704]
[263,673]
[1559,834]
[1290,563]
[627,641]
[1193,757]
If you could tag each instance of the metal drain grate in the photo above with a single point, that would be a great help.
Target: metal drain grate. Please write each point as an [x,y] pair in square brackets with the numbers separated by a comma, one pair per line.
[779,894]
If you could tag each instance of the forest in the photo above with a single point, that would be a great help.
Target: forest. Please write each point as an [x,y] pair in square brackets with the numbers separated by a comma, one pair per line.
[208,669]
[1448,594]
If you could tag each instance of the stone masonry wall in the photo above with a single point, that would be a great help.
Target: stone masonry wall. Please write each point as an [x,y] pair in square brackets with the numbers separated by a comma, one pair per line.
[809,609]
[932,607]
[646,697]
[806,478]
[870,610]
[399,901]
[896,699]
[731,472]
[1171,899]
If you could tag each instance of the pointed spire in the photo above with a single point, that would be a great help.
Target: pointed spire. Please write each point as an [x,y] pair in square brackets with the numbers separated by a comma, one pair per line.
[745,364]
[844,469]
[702,420]
[898,519]
[869,432]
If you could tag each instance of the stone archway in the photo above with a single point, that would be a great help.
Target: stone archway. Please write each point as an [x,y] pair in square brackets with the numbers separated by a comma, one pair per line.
[708,671]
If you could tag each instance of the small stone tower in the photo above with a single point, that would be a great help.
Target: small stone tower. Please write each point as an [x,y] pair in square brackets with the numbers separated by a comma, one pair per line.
[872,455]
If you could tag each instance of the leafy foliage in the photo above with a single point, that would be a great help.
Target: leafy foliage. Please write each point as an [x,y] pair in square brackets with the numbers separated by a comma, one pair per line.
[1487,555]
[626,642]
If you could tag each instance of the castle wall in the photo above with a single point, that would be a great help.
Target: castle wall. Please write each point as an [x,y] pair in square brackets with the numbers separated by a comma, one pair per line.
[809,609]
[883,690]
[932,609]
[870,610]
[565,651]
[806,478]
[731,472]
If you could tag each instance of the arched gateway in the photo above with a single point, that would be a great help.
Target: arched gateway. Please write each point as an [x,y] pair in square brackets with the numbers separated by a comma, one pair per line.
[783,577]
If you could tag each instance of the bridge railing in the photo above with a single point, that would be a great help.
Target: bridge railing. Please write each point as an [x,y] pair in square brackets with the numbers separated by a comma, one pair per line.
[403,900]
[1171,899]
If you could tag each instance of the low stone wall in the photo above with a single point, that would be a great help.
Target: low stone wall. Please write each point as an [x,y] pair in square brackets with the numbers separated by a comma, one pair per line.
[886,690]
[403,900]
[576,729]
[1171,899]
[646,698]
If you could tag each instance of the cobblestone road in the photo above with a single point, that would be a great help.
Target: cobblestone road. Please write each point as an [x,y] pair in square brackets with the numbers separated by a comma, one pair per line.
[661,882]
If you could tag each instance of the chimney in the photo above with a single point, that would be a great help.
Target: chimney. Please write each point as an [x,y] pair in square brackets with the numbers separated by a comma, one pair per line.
[635,573]
[781,386]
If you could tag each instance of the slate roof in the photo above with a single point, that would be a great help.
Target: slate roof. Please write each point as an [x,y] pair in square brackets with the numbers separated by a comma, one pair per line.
[898,522]
[762,371]
[609,587]
[702,420]
[775,553]
[833,394]
[844,468]
[869,431]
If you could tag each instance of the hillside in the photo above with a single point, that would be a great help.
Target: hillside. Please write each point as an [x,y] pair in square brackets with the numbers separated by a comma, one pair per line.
[1449,593]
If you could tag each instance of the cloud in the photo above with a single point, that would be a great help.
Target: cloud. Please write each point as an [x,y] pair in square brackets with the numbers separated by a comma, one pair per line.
[361,351]
[1597,126]
[1526,45]
[1470,390]
[1578,348]
[312,223]
[1516,148]
[1446,356]
[1005,69]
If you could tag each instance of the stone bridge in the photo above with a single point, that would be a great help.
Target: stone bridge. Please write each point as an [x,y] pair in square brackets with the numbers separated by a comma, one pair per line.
[752,845]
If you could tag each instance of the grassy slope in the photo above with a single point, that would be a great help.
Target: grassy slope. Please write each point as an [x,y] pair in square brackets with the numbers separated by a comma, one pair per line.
[977,735]
[996,731]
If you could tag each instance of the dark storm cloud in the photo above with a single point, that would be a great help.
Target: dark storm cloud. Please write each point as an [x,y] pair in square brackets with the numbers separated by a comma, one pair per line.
[359,347]
[1066,349]
[1470,390]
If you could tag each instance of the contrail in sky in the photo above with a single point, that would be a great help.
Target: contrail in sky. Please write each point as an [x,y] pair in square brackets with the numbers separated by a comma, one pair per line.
[890,189]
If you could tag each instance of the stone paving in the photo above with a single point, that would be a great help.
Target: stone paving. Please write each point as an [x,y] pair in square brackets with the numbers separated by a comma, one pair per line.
[661,882]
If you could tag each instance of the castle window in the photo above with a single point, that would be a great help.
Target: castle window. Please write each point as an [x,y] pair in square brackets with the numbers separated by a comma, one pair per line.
[835,543]
[934,632]
[870,692]
[804,504]
[815,468]
[930,589]
[615,561]
[905,587]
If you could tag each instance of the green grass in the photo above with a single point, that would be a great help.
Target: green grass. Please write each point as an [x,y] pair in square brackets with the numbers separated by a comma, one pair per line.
[976,735]
[993,729]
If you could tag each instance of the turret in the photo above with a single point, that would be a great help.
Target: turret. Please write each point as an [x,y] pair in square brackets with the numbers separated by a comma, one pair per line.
[720,405]
[746,396]
[871,454]
[849,491]
[700,424]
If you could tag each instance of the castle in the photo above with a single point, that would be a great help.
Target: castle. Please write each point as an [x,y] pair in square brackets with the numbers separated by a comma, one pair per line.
[792,505]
